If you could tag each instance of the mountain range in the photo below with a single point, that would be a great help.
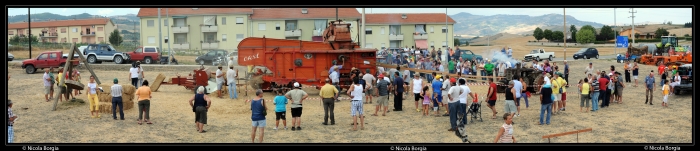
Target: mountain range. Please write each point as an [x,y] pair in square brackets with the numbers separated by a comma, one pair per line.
[468,25]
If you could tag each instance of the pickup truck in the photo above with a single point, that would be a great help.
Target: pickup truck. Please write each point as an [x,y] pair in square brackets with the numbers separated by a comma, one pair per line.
[46,59]
[686,79]
[97,53]
[468,55]
[145,54]
[538,55]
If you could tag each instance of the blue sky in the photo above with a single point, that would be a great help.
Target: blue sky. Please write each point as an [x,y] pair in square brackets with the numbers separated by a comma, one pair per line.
[600,15]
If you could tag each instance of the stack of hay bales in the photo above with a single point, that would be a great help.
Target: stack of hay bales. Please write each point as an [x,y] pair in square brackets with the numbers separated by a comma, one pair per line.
[105,97]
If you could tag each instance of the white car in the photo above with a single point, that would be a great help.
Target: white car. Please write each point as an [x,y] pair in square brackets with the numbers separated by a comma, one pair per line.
[538,55]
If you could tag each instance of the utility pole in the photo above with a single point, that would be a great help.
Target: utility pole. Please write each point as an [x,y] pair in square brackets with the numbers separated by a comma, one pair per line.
[364,35]
[160,34]
[29,27]
[615,30]
[170,51]
[633,32]
[564,34]
[446,36]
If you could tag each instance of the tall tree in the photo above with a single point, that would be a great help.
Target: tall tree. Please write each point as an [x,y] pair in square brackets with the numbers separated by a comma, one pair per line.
[548,34]
[661,32]
[636,35]
[538,34]
[590,28]
[558,35]
[648,35]
[585,36]
[456,42]
[115,39]
[573,31]
[607,33]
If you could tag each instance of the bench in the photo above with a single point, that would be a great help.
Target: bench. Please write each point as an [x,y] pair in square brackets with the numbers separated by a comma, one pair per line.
[548,137]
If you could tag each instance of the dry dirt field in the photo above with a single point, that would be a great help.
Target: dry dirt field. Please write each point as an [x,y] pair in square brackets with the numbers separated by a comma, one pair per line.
[229,120]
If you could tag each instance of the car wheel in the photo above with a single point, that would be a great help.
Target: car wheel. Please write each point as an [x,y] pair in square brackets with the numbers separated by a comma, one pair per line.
[118,60]
[587,57]
[596,56]
[148,60]
[550,58]
[201,62]
[91,59]
[30,69]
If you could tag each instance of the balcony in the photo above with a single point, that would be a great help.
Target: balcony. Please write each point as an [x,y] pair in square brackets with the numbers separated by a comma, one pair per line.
[49,35]
[88,34]
[183,29]
[420,36]
[210,29]
[396,37]
[210,45]
[293,33]
[181,46]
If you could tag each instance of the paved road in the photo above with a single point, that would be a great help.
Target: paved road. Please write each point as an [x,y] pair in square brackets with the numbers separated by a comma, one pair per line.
[570,58]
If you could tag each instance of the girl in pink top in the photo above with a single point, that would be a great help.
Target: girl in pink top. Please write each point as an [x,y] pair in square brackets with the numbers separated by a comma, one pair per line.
[426,100]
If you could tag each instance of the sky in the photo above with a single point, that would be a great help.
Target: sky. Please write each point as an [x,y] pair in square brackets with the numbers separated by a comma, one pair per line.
[608,16]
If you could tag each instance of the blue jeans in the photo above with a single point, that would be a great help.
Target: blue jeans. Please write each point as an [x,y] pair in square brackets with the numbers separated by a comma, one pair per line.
[452,71]
[454,108]
[232,93]
[662,82]
[429,77]
[483,73]
[117,101]
[464,111]
[594,98]
[527,102]
[140,83]
[548,108]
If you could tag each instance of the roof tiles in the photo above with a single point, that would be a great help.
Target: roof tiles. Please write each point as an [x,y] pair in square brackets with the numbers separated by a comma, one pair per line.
[60,23]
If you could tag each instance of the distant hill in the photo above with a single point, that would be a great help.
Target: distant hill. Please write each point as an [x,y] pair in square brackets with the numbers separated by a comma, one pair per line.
[479,25]
[128,22]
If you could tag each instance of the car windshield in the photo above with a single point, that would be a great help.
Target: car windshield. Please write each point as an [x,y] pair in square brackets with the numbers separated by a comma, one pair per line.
[534,51]
[683,70]
[582,50]
[111,48]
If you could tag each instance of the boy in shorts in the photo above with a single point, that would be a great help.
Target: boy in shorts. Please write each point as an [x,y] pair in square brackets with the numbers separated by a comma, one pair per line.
[280,109]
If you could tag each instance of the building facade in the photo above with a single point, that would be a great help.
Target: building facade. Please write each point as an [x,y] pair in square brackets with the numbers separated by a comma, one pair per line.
[425,30]
[300,23]
[65,31]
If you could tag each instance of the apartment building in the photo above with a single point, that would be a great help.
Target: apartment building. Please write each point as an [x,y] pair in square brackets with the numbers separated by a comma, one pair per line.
[65,31]
[195,28]
[300,23]
[421,30]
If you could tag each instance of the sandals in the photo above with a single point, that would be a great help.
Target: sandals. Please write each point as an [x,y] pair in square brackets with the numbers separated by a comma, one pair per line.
[374,115]
[203,131]
[149,122]
[140,122]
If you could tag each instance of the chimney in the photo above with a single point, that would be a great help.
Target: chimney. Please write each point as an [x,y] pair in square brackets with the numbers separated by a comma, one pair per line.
[403,16]
[304,11]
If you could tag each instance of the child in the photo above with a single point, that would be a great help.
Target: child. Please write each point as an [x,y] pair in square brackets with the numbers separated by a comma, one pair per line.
[426,100]
[665,91]
[280,109]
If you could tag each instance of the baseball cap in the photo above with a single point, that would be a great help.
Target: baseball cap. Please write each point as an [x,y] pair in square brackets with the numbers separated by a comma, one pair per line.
[453,80]
[116,80]
[381,76]
[296,84]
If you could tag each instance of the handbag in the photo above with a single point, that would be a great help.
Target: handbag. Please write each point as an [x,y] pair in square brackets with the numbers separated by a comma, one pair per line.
[264,112]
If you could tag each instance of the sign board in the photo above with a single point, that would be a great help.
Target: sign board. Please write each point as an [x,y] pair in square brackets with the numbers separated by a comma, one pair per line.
[622,42]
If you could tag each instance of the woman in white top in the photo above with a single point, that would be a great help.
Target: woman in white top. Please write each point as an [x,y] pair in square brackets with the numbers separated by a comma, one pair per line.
[417,86]
[92,97]
[676,82]
[355,92]
[134,75]
[505,134]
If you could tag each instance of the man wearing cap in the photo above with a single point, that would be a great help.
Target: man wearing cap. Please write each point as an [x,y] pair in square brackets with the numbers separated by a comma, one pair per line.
[117,100]
[446,86]
[335,77]
[398,91]
[297,96]
[369,80]
[405,76]
[650,84]
[219,81]
[231,76]
[10,122]
[328,94]
[489,69]
[589,69]
[453,94]
[382,95]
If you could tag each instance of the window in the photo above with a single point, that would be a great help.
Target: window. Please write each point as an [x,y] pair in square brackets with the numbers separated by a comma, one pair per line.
[432,43]
[261,26]
[210,38]
[180,22]
[223,36]
[431,29]
[223,20]
[166,22]
[383,45]
[239,37]
[43,57]
[63,30]
[180,38]
[382,30]
[444,43]
[139,50]
[277,26]
[11,33]
[100,28]
[209,20]
[150,49]
[166,38]
[239,20]
[101,39]
[368,45]
[105,48]
[444,29]
[151,39]
[75,30]
[53,56]
[368,31]
[290,25]
[149,23]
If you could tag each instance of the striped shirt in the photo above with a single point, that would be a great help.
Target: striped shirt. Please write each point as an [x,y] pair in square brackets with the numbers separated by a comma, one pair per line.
[10,114]
[116,90]
[507,136]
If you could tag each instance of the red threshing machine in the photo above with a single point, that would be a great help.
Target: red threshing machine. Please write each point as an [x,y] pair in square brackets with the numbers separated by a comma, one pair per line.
[306,62]
[199,77]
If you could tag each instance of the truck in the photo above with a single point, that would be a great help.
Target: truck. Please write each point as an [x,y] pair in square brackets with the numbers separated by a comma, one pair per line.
[145,54]
[538,54]
[82,50]
[685,72]
[47,59]
[96,53]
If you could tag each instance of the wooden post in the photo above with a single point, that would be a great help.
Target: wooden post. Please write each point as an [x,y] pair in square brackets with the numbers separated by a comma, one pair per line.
[66,70]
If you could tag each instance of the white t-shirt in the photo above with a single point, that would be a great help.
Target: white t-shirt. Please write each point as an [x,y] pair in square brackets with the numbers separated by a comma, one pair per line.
[417,85]
[446,86]
[334,77]
[455,92]
[547,81]
[405,75]
[510,52]
[231,75]
[463,96]
[134,72]
[92,87]
[219,79]
[386,79]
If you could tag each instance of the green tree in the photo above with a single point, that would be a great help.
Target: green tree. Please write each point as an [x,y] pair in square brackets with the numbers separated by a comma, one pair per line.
[558,35]
[538,34]
[636,35]
[15,40]
[669,23]
[115,39]
[607,32]
[686,35]
[573,31]
[661,32]
[589,27]
[548,34]
[585,36]
[648,35]
[457,42]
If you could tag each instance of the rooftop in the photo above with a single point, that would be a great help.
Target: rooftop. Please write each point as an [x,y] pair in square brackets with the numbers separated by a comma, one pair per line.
[153,12]
[61,23]
[310,13]
[411,18]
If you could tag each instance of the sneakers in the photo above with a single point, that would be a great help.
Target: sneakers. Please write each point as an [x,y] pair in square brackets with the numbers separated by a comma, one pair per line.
[417,110]
[298,128]
[294,129]
[275,128]
[285,128]
[517,115]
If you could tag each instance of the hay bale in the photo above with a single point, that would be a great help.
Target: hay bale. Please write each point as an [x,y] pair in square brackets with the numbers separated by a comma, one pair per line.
[128,97]
[128,89]
[156,84]
[104,97]
[107,107]
[107,88]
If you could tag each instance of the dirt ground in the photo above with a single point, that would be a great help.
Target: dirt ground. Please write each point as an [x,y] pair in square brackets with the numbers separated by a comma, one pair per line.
[229,120]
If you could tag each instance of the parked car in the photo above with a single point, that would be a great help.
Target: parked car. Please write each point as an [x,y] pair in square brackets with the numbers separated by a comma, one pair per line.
[538,54]
[586,53]
[46,59]
[10,57]
[468,55]
[213,56]
[145,54]
[233,54]
[97,53]
[685,71]
[82,50]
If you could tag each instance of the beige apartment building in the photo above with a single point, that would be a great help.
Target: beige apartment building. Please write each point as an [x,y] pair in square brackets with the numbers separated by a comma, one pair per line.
[398,30]
[65,31]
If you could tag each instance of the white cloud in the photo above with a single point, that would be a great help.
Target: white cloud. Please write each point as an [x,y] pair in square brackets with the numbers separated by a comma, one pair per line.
[64,10]
[105,12]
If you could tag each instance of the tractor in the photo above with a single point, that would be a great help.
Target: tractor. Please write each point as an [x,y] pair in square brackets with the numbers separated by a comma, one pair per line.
[665,52]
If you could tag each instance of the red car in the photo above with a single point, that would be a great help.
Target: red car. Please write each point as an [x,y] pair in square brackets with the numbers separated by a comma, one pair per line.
[145,54]
[47,59]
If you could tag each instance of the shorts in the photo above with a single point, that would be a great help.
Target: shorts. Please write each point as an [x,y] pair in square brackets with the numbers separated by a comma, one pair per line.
[369,92]
[555,97]
[517,101]
[200,114]
[618,91]
[491,102]
[510,107]
[296,112]
[635,77]
[280,115]
[383,100]
[417,97]
[219,85]
[563,96]
[438,98]
[665,98]
[63,89]
[47,89]
[259,123]
[356,107]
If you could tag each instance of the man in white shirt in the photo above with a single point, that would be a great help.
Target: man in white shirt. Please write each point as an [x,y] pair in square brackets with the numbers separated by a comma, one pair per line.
[231,76]
[219,81]
[335,78]
[417,86]
[453,103]
[446,86]
[502,69]
[463,99]
[47,83]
